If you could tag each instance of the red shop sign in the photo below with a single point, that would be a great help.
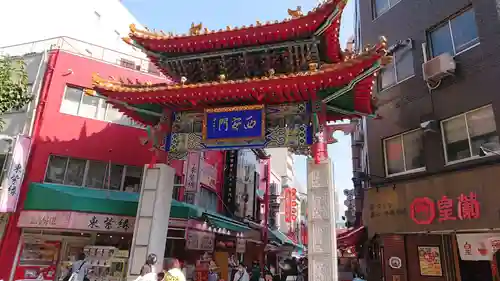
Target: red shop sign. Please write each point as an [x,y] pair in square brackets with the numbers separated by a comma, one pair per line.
[424,210]
[290,204]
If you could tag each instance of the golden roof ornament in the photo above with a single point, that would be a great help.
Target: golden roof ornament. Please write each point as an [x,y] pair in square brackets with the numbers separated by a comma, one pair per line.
[222,78]
[297,13]
[183,80]
[271,72]
[313,66]
[195,29]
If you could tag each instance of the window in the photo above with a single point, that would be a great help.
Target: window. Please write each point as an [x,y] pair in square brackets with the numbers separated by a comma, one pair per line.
[398,70]
[455,35]
[463,135]
[207,199]
[177,187]
[93,174]
[382,6]
[404,153]
[75,102]
[127,63]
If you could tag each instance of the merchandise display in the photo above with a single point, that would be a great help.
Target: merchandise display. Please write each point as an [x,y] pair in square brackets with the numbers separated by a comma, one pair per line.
[107,263]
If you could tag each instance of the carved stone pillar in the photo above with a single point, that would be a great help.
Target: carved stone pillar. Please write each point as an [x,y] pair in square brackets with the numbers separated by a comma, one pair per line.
[151,222]
[322,250]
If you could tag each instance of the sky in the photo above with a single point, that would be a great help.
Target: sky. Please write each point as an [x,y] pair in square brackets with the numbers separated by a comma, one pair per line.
[177,16]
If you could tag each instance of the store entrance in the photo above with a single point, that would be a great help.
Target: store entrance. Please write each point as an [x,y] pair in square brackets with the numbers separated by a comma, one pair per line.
[475,270]
[48,255]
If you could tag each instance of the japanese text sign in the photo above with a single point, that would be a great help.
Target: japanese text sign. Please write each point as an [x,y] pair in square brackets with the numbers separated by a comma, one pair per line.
[424,210]
[290,204]
[234,123]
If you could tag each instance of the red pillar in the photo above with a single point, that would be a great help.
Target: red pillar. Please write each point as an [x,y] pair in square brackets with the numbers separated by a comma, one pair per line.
[12,234]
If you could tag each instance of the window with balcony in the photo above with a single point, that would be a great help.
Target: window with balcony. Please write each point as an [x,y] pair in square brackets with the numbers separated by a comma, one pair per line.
[454,36]
[76,102]
[207,199]
[381,6]
[404,153]
[93,174]
[400,69]
[463,135]
[177,187]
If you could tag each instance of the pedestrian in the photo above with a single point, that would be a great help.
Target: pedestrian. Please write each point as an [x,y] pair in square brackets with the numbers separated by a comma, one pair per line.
[241,274]
[148,267]
[79,269]
[174,271]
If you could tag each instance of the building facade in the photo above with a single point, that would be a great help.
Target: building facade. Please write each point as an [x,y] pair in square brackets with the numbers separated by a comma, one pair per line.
[433,151]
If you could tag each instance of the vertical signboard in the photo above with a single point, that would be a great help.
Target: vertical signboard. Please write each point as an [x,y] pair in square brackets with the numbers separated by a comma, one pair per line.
[230,170]
[14,175]
[191,186]
[322,249]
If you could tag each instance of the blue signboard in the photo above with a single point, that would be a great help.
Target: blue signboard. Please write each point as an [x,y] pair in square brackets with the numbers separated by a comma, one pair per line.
[238,123]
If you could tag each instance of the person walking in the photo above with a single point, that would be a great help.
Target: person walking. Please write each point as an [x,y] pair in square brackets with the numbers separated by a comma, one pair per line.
[241,274]
[148,267]
[79,269]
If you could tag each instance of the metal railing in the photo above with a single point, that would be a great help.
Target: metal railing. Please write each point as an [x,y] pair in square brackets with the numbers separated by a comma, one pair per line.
[84,49]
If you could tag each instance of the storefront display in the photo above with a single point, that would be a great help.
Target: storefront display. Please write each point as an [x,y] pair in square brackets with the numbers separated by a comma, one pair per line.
[107,263]
[38,260]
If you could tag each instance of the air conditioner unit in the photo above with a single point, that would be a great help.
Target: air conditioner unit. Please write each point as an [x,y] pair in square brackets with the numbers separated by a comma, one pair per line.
[438,67]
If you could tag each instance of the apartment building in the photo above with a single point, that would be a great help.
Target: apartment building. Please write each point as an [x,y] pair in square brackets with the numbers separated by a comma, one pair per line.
[433,154]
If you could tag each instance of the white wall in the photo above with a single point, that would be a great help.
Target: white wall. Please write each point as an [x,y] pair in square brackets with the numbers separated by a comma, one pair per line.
[283,164]
[100,22]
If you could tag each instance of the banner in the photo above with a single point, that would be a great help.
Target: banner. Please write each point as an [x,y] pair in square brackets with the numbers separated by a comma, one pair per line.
[14,175]
[478,246]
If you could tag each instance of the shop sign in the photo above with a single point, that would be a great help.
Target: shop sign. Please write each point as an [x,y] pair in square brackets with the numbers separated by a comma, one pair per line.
[424,210]
[241,245]
[395,262]
[208,175]
[199,240]
[14,175]
[76,221]
[102,223]
[40,219]
[430,261]
[193,171]
[290,204]
[478,246]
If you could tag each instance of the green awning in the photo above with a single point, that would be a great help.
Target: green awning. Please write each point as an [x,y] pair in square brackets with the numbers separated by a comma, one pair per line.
[281,238]
[54,197]
[220,221]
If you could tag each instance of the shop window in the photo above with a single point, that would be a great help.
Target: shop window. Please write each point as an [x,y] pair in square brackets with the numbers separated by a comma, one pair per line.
[400,69]
[132,181]
[207,199]
[75,102]
[381,6]
[177,187]
[56,169]
[456,35]
[75,171]
[463,135]
[404,153]
[93,174]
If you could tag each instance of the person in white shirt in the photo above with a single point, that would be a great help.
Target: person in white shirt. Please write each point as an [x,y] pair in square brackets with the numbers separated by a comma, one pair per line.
[241,274]
[79,269]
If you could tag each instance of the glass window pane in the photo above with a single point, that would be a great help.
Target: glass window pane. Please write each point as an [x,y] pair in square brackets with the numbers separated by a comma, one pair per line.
[56,169]
[414,150]
[207,199]
[101,112]
[115,182]
[482,128]
[71,100]
[89,106]
[464,30]
[455,137]
[96,174]
[404,64]
[387,76]
[380,7]
[133,177]
[441,40]
[393,2]
[394,156]
[115,116]
[75,171]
